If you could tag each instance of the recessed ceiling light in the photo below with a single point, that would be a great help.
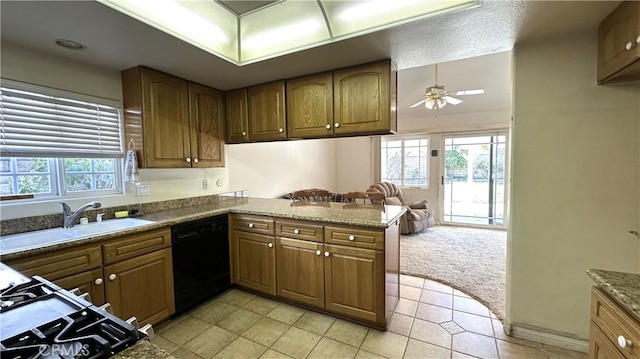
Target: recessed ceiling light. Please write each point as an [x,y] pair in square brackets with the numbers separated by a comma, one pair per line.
[70,44]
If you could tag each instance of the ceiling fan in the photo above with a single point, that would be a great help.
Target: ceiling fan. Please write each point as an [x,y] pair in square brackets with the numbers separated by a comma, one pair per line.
[436,96]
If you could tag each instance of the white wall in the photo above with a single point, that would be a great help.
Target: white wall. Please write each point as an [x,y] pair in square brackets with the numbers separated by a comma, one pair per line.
[27,65]
[271,169]
[575,183]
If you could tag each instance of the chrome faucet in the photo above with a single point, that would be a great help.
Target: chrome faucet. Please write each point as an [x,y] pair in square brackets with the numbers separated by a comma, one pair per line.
[70,217]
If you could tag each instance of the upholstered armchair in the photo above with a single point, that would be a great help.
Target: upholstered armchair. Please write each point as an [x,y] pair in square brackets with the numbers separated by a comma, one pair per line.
[418,216]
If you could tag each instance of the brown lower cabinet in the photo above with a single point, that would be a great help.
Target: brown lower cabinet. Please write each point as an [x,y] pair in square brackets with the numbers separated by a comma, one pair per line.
[348,280]
[614,333]
[135,277]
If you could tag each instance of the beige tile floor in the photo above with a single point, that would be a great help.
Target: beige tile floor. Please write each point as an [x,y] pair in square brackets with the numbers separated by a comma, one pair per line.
[432,320]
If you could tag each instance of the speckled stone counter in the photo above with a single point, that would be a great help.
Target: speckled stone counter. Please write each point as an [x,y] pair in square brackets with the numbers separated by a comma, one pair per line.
[328,212]
[143,349]
[623,287]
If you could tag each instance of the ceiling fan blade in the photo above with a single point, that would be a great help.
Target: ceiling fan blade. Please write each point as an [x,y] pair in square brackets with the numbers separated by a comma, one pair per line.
[469,92]
[417,104]
[452,100]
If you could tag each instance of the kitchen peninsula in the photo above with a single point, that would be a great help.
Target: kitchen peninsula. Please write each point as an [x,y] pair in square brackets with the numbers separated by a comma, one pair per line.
[331,257]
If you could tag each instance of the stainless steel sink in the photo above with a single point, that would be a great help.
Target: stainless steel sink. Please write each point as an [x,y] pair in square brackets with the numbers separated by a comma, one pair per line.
[45,237]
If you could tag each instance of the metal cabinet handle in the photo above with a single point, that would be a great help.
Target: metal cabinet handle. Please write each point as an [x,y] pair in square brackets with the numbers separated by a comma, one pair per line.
[295,231]
[326,254]
[270,245]
[328,127]
[250,225]
[629,45]
[336,125]
[195,160]
[280,130]
[98,281]
[352,237]
[318,252]
[112,276]
[188,159]
[624,342]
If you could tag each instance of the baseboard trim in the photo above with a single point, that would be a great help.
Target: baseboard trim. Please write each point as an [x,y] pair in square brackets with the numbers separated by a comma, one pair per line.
[549,338]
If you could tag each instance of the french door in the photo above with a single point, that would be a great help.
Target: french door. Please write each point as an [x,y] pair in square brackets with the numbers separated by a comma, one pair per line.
[473,180]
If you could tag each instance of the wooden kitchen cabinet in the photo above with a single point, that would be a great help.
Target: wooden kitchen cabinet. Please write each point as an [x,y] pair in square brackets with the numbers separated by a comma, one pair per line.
[237,120]
[614,333]
[266,112]
[310,106]
[91,282]
[365,99]
[619,45]
[253,254]
[142,287]
[173,123]
[354,282]
[300,271]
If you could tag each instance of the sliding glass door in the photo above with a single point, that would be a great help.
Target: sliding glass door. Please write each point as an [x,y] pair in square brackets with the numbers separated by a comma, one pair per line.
[473,178]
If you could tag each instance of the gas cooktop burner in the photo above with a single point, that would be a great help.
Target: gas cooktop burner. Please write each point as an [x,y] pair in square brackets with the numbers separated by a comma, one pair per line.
[41,320]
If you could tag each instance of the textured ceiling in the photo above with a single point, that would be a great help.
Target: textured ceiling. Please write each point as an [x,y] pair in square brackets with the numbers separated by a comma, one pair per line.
[116,41]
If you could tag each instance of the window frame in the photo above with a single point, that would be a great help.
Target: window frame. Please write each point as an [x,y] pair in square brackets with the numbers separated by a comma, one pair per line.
[404,138]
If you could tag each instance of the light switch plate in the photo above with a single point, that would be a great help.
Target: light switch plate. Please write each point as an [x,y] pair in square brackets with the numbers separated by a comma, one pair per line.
[142,190]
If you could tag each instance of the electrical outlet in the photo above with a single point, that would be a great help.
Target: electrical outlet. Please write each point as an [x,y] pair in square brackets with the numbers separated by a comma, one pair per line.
[205,184]
[142,190]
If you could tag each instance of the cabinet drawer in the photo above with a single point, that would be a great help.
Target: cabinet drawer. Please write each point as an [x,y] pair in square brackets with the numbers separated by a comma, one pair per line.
[53,266]
[299,230]
[136,245]
[253,224]
[614,322]
[354,237]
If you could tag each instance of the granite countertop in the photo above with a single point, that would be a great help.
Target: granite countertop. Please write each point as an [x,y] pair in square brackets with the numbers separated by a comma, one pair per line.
[143,349]
[623,287]
[327,212]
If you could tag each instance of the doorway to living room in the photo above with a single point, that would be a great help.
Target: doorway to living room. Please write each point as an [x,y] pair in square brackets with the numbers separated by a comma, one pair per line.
[473,178]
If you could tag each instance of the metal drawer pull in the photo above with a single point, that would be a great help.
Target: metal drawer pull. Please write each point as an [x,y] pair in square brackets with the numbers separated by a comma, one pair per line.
[295,231]
[352,237]
[98,281]
[624,342]
[318,252]
[270,245]
[326,254]
[250,225]
[112,276]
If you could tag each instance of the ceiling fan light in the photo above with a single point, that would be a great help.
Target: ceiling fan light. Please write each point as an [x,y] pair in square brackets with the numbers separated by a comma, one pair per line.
[441,102]
[430,103]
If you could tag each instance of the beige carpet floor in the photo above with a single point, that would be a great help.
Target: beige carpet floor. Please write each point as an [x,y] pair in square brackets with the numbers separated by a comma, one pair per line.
[468,259]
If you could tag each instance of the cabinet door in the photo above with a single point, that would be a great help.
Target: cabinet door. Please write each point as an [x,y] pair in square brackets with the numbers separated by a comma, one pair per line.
[600,347]
[254,264]
[165,110]
[87,282]
[354,282]
[142,287]
[363,99]
[310,106]
[206,111]
[619,30]
[300,271]
[237,121]
[266,112]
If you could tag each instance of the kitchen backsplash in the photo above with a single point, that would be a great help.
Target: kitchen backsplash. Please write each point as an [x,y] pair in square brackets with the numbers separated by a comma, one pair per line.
[34,223]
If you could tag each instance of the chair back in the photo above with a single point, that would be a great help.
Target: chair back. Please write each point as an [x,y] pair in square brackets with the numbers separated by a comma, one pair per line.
[313,195]
[363,197]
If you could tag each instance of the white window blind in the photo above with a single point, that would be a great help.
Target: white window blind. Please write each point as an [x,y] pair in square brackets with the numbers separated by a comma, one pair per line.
[35,123]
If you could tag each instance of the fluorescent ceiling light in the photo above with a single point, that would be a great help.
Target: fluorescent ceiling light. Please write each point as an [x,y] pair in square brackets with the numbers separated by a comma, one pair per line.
[280,28]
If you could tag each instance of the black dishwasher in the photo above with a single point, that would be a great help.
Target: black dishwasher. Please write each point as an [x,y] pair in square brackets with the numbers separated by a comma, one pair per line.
[200,260]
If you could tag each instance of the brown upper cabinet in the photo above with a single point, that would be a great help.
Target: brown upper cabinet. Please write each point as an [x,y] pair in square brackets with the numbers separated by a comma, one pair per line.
[266,112]
[310,106]
[619,45]
[173,123]
[237,121]
[365,99]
